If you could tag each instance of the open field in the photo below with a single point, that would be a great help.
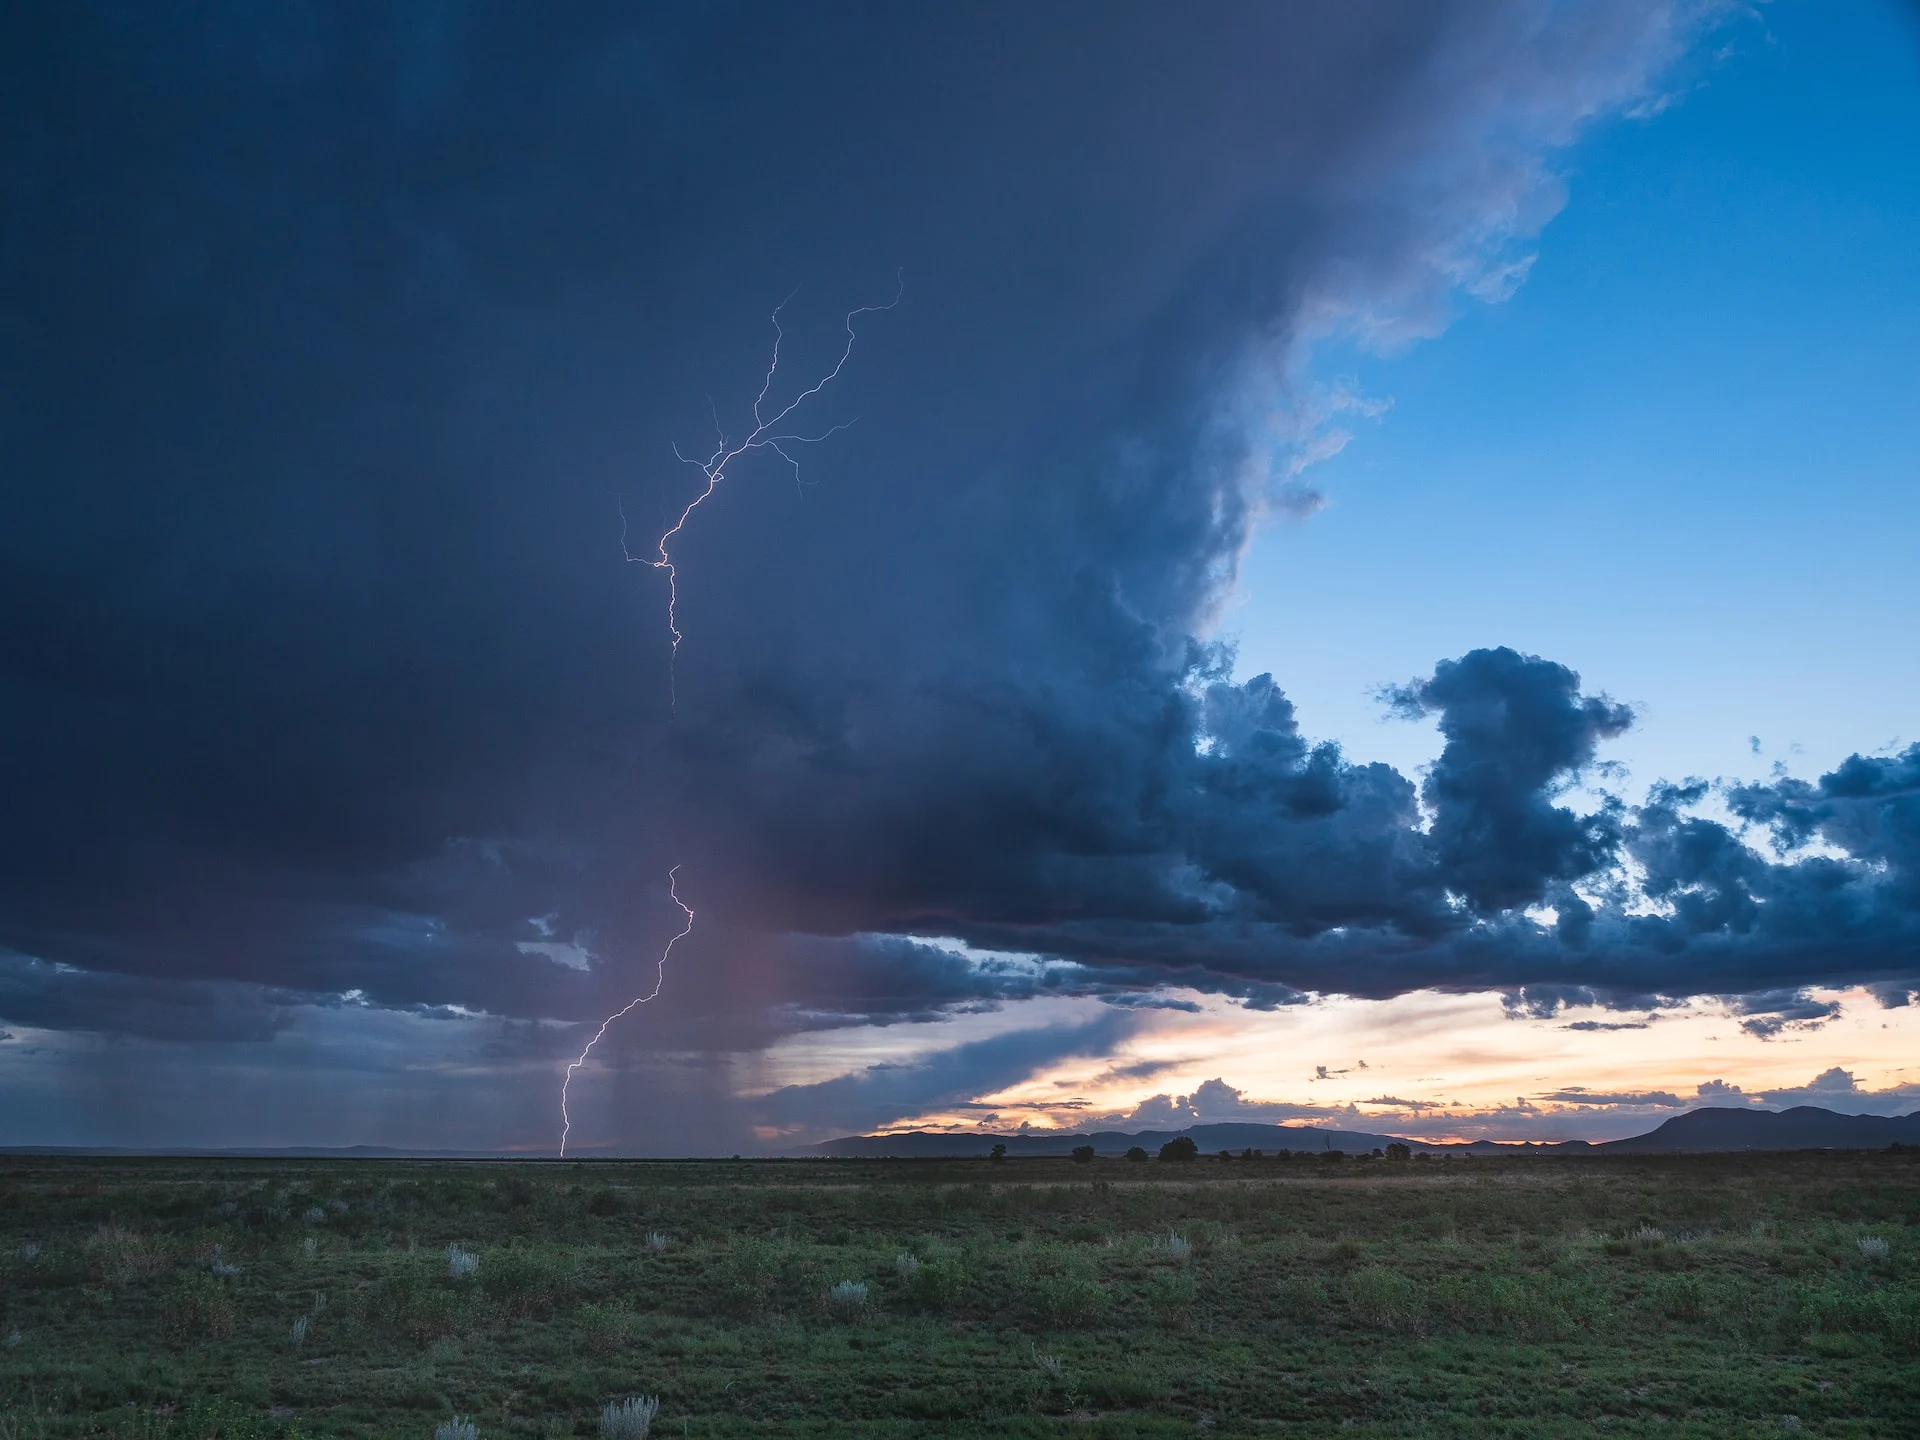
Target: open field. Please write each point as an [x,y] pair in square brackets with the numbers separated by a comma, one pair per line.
[1673,1296]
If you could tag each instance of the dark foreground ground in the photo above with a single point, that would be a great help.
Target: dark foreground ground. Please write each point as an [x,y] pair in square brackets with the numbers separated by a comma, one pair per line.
[1726,1295]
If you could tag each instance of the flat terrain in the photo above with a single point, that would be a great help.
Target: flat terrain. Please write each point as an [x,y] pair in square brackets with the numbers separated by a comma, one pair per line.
[1716,1295]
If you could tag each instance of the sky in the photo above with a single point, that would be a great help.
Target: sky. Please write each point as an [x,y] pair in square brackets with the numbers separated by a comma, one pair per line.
[1329,563]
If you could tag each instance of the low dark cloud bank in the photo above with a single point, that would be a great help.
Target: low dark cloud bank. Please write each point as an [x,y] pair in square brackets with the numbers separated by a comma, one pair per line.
[338,338]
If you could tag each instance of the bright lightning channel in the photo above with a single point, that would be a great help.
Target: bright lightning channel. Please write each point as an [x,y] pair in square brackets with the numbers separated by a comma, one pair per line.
[659,980]
[765,435]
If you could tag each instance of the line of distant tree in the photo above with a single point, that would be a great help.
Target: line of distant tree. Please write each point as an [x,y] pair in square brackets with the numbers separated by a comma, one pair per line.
[1182,1147]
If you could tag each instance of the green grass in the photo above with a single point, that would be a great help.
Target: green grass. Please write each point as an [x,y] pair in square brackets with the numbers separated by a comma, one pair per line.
[1687,1296]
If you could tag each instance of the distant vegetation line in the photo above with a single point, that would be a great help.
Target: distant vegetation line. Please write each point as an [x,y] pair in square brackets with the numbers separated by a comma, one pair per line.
[1710,1128]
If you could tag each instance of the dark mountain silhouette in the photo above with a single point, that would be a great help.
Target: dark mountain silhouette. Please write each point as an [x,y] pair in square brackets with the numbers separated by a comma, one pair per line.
[1211,1139]
[1805,1127]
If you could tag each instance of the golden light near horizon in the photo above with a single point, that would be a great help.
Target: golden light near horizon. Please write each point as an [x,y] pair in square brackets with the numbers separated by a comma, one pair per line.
[1431,1065]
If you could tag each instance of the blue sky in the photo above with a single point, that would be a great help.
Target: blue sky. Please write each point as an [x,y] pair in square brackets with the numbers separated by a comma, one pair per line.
[1682,458]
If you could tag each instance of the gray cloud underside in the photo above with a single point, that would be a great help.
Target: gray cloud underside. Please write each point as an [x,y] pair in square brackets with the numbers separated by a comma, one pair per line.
[339,342]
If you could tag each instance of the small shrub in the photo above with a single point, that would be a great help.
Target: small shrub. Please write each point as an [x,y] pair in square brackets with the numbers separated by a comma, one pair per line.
[1836,1347]
[1302,1296]
[1083,1154]
[1899,1320]
[848,1300]
[629,1419]
[458,1428]
[602,1328]
[13,1338]
[391,1296]
[1179,1249]
[201,1306]
[1398,1151]
[118,1257]
[1136,1152]
[529,1281]
[1172,1292]
[1384,1299]
[222,1266]
[300,1332]
[309,1247]
[28,1252]
[462,1264]
[603,1202]
[314,1215]
[432,1315]
[657,1242]
[745,1277]
[937,1282]
[905,1263]
[1533,1307]
[1124,1389]
[1070,1301]
[515,1193]
[1874,1248]
[1181,1147]
[1679,1297]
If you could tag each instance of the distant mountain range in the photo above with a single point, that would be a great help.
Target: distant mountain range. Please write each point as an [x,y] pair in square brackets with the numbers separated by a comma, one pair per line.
[1805,1127]
[1712,1128]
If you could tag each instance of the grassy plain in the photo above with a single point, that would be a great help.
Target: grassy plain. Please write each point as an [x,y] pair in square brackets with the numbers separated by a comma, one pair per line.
[1664,1296]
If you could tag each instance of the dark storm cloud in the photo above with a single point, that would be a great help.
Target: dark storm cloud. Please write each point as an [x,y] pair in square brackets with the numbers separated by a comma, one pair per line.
[55,997]
[884,979]
[876,1095]
[338,341]
[1515,727]
[1769,1012]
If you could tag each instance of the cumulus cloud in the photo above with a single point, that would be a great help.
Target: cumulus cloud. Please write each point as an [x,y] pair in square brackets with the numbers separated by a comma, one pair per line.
[1771,1012]
[1837,1089]
[1575,1095]
[1516,728]
[1215,1102]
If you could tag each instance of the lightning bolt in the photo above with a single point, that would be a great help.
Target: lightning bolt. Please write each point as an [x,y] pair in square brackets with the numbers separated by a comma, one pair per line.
[659,980]
[765,435]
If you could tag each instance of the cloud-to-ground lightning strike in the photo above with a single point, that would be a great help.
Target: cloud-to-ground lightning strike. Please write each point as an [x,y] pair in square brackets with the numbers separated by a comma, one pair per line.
[763,436]
[659,980]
